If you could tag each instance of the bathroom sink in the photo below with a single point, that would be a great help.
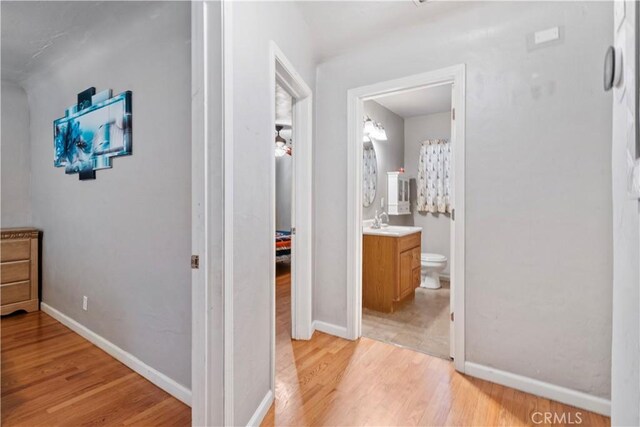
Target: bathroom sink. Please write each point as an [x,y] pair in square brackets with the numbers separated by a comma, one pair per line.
[391,230]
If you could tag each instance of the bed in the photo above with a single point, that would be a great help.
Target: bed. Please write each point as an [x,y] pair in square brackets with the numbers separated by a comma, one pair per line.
[283,246]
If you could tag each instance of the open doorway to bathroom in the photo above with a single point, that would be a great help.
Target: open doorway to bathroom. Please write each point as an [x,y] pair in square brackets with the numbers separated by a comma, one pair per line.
[407,150]
[406,212]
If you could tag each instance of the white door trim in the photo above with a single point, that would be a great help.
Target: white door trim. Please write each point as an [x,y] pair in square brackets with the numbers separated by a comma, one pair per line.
[227,147]
[355,99]
[207,342]
[282,71]
[198,220]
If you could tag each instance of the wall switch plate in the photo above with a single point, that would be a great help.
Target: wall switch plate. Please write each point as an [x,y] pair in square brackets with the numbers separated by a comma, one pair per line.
[545,36]
[85,302]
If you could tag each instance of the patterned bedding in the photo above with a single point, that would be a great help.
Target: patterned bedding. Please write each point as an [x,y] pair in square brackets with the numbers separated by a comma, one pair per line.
[283,245]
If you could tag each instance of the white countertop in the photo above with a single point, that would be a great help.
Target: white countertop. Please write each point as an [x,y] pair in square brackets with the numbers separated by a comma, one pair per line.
[391,230]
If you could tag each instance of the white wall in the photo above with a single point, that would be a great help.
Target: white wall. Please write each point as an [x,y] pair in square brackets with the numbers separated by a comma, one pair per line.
[436,227]
[625,376]
[538,189]
[124,239]
[16,161]
[255,24]
[390,155]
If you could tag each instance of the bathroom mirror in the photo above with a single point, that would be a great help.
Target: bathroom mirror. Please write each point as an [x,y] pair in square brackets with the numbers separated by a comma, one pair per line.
[369,174]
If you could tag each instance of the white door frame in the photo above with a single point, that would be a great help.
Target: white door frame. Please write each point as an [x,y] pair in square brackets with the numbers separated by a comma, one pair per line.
[211,221]
[282,71]
[355,110]
[199,383]
[208,216]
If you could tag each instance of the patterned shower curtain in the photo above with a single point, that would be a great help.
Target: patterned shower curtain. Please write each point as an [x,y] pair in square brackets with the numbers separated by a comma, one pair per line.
[434,185]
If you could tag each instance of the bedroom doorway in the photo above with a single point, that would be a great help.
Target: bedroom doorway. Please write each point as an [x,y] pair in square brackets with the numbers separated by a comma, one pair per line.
[284,160]
[291,196]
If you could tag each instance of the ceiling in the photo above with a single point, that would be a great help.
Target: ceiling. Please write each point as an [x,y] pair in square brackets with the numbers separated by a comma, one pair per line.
[38,34]
[340,26]
[418,102]
[284,112]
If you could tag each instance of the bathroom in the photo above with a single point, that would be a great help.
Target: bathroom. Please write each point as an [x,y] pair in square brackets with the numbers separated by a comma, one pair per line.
[407,212]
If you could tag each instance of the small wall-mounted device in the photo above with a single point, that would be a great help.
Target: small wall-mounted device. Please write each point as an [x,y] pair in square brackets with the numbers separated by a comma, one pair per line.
[546,36]
[612,68]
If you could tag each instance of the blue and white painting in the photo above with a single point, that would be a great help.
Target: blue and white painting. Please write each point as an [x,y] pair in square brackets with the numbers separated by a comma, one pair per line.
[92,132]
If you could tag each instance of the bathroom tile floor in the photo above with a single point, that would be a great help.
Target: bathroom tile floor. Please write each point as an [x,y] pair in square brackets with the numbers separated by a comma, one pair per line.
[421,323]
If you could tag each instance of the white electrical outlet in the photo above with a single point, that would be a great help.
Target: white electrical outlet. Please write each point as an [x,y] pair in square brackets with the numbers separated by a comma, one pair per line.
[85,302]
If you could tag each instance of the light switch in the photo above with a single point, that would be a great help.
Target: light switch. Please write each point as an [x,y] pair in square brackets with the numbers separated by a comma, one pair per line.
[545,36]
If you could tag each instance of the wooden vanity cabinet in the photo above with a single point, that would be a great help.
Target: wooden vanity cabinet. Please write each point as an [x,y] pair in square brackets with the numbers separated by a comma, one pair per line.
[390,270]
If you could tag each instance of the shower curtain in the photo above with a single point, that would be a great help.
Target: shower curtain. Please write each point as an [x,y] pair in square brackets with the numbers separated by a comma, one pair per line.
[434,185]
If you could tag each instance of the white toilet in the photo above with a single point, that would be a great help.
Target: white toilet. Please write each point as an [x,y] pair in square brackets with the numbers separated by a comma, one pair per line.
[432,266]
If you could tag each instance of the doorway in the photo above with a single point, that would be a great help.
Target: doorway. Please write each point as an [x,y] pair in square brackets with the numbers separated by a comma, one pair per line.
[413,171]
[284,214]
[291,218]
[455,77]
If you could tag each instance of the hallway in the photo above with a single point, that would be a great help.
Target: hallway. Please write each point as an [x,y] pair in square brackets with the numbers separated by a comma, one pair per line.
[52,376]
[332,381]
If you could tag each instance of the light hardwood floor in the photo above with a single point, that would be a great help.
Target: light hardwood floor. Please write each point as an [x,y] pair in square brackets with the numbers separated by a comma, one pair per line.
[52,376]
[331,381]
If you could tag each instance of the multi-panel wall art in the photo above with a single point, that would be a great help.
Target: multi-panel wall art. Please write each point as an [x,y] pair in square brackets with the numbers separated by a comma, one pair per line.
[92,132]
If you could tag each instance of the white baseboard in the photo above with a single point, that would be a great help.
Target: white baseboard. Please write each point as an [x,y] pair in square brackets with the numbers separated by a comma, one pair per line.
[330,328]
[262,410]
[540,388]
[178,391]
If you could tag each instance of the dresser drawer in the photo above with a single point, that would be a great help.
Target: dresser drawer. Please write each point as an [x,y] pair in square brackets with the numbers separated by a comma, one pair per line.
[15,250]
[14,271]
[15,292]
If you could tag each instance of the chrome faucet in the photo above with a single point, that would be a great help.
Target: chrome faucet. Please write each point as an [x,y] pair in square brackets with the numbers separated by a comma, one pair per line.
[377,220]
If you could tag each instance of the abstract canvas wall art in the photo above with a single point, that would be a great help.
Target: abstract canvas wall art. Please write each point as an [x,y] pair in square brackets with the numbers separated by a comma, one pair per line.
[92,132]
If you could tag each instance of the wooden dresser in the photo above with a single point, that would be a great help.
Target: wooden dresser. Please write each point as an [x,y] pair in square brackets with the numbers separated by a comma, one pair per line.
[390,270]
[19,270]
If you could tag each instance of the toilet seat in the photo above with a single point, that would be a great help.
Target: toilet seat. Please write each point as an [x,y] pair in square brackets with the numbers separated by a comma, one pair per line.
[430,257]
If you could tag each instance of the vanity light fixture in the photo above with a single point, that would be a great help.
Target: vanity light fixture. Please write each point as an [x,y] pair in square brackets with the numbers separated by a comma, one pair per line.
[373,130]
[369,126]
[380,134]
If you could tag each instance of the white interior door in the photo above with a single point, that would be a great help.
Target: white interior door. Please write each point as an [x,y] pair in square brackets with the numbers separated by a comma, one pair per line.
[452,234]
[294,176]
[625,358]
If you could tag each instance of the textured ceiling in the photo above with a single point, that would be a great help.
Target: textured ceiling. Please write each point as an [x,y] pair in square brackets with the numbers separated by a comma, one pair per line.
[39,34]
[430,100]
[283,106]
[341,26]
